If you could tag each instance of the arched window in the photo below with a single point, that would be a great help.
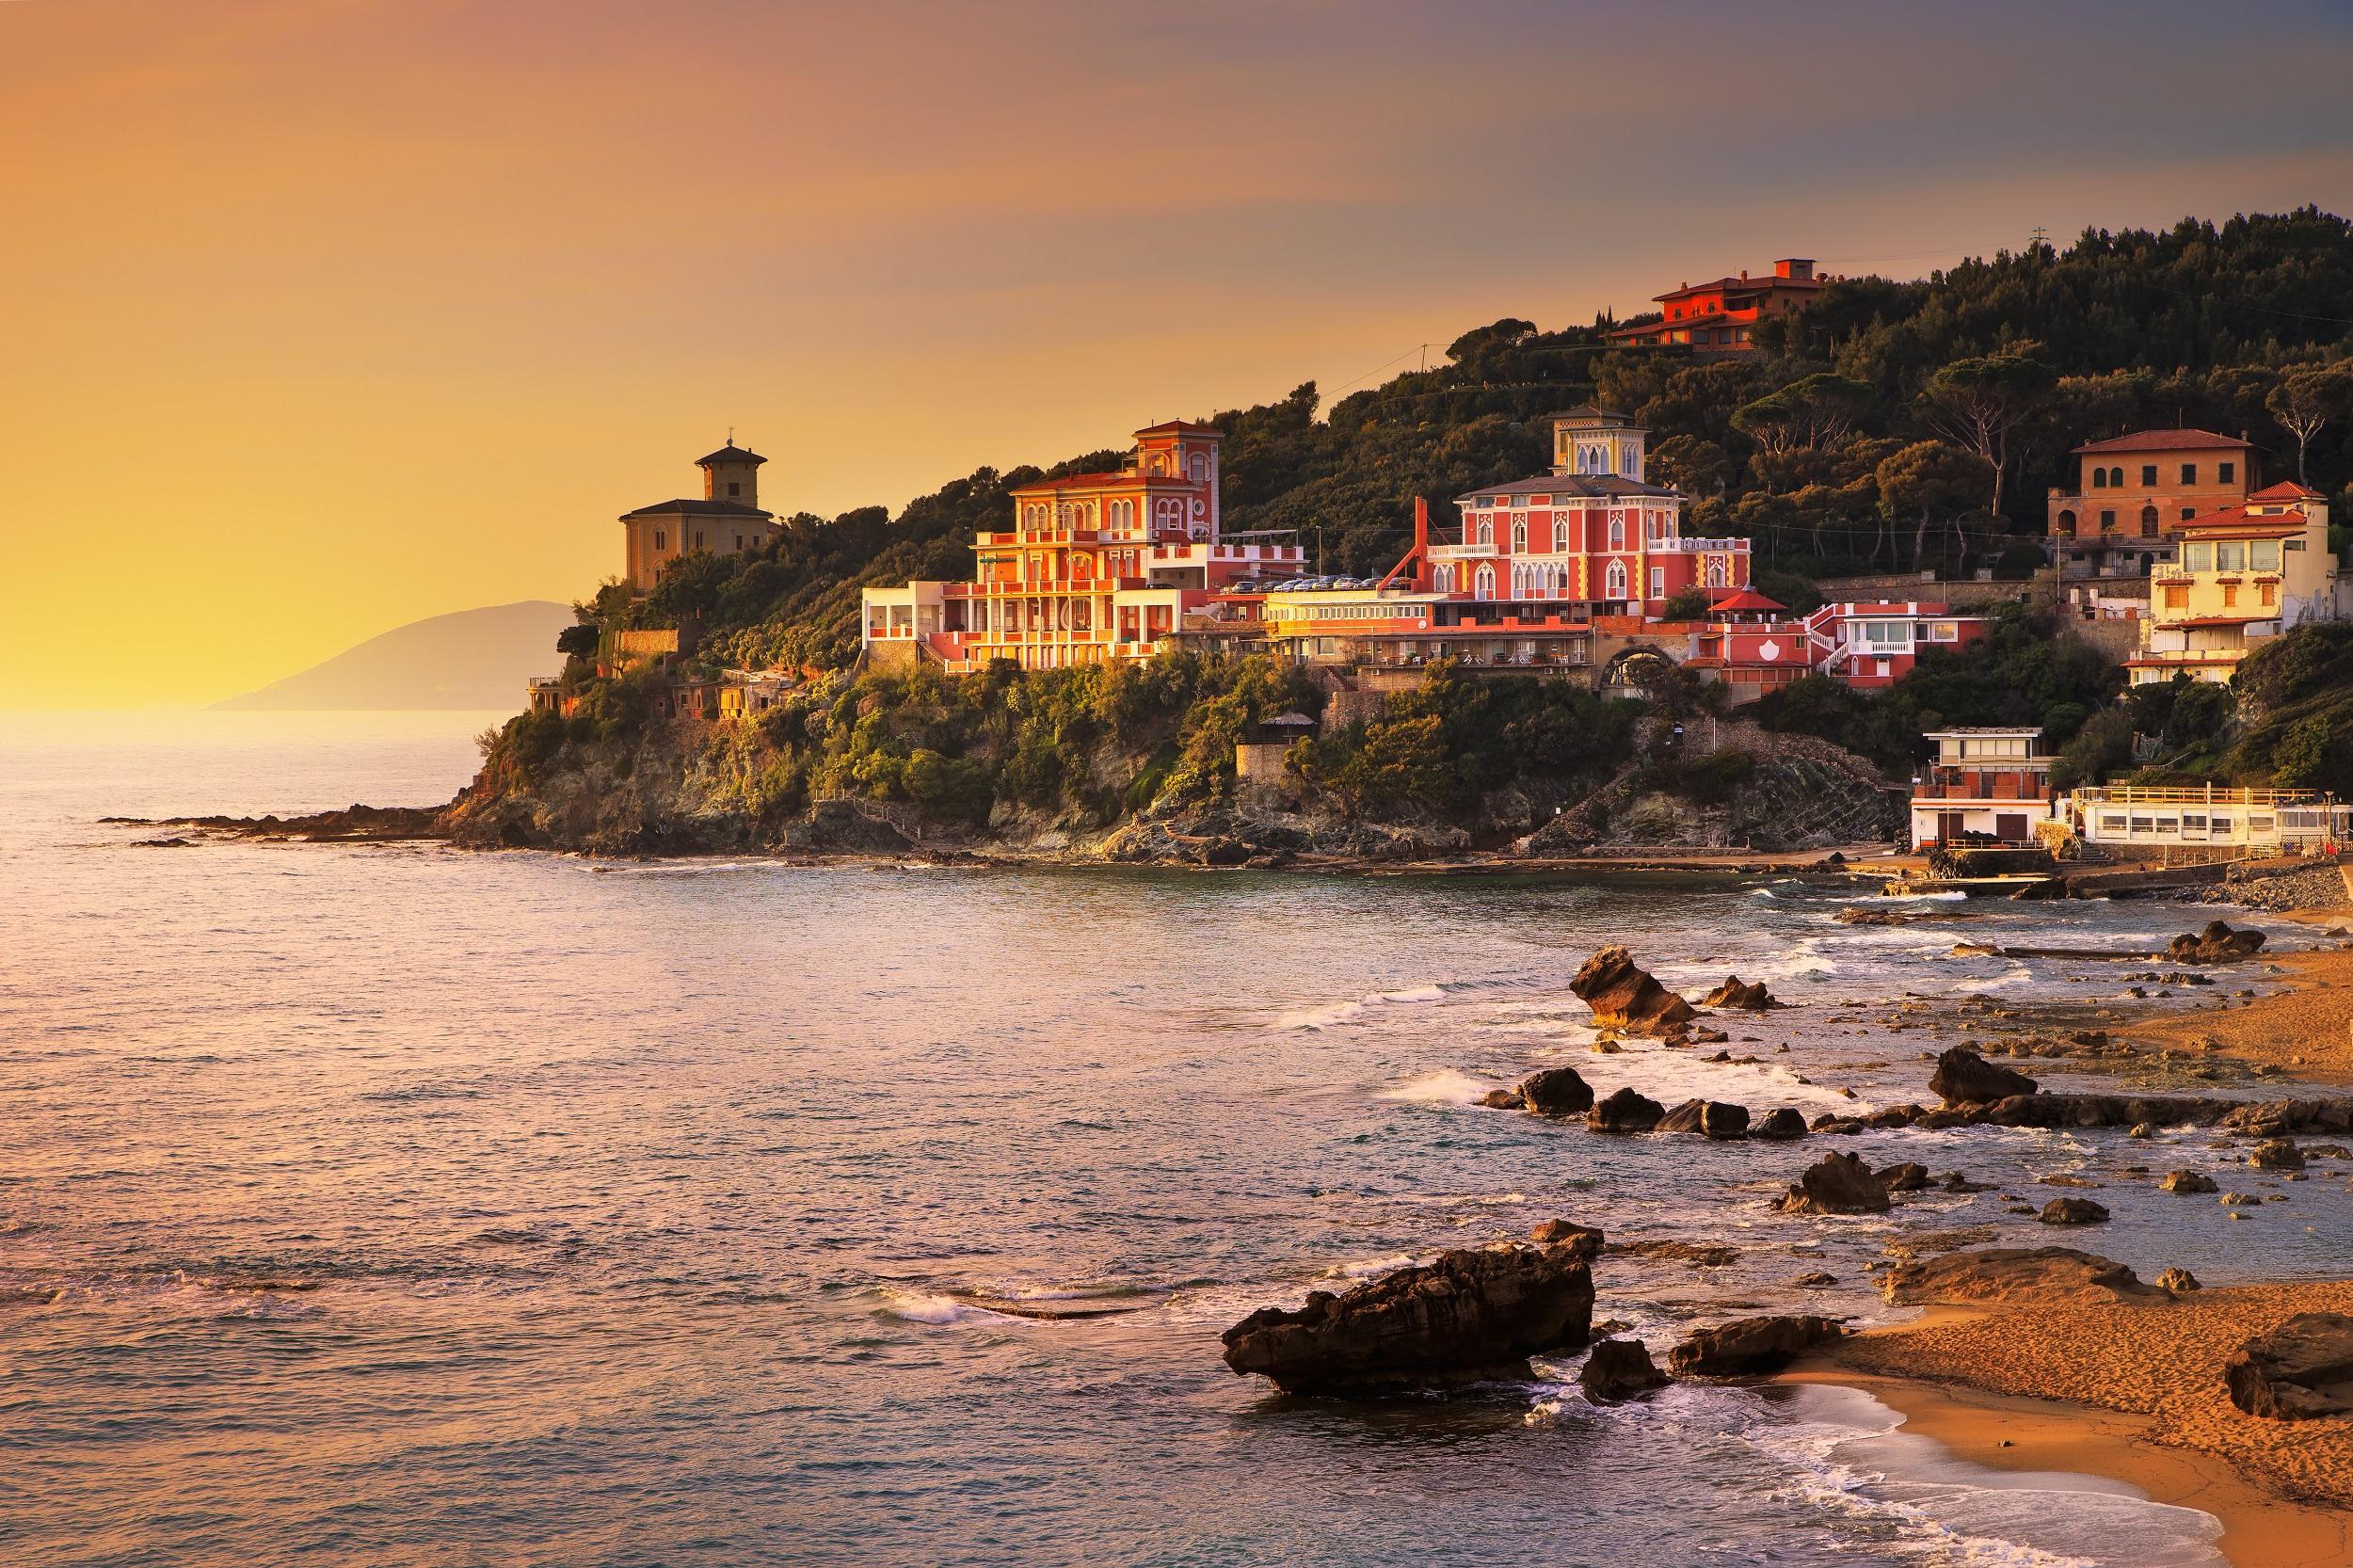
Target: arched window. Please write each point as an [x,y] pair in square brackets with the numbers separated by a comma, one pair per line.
[1617,533]
[1614,583]
[1717,577]
[1633,463]
[1483,585]
[2116,478]
[1198,467]
[1559,536]
[1519,536]
[1441,580]
[1486,529]
[2147,523]
[2099,479]
[2066,525]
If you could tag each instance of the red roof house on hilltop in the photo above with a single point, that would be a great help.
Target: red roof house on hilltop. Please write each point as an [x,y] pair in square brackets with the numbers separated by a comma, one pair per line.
[1716,317]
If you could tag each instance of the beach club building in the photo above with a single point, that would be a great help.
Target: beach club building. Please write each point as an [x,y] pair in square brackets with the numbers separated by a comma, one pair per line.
[1987,785]
[2208,817]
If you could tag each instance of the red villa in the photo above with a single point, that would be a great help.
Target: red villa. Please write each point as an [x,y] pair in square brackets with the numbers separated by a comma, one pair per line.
[1716,317]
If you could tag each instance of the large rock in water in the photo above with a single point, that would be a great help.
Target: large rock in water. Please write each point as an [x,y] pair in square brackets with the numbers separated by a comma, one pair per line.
[1556,1091]
[1626,998]
[1835,1184]
[1964,1078]
[1735,993]
[1749,1345]
[2073,1212]
[1625,1112]
[2303,1367]
[2018,1275]
[1780,1124]
[1468,1314]
[2217,944]
[1619,1369]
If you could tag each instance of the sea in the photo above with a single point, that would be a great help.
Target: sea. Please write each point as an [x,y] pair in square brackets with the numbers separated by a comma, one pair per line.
[396,1205]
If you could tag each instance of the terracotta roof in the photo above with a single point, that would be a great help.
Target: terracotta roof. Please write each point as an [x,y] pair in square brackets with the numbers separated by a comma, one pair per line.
[2287,489]
[730,454]
[2237,520]
[1771,280]
[699,508]
[1096,480]
[2163,440]
[1587,410]
[1179,427]
[1586,486]
[1748,599]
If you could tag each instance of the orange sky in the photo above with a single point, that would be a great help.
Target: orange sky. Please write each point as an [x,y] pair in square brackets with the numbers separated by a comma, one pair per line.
[317,317]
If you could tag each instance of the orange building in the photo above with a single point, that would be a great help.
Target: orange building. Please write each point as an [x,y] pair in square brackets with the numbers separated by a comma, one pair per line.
[1716,317]
[727,521]
[2133,493]
[1096,567]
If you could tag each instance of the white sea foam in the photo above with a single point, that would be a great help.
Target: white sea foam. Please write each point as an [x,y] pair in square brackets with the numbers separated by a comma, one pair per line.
[1444,1087]
[1850,1459]
[922,1306]
[2008,980]
[1334,1013]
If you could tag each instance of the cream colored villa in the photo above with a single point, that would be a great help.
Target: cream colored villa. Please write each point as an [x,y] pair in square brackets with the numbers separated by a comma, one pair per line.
[2243,574]
[726,520]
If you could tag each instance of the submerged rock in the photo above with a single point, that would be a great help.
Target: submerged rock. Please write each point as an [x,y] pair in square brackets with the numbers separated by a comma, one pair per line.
[1750,1345]
[1625,1112]
[1964,1078]
[2188,1181]
[1623,997]
[1747,998]
[2073,1211]
[1582,1241]
[2302,1369]
[1714,1118]
[1467,1315]
[1619,1369]
[1835,1184]
[1910,1176]
[1556,1091]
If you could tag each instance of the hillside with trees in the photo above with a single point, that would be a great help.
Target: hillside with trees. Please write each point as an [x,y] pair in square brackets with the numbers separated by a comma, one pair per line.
[1890,424]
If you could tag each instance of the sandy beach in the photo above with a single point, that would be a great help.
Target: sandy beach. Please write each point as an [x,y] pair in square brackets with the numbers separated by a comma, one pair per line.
[2306,1027]
[2134,1390]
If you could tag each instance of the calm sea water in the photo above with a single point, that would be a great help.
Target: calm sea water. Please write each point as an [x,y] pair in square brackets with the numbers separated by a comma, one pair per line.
[400,1205]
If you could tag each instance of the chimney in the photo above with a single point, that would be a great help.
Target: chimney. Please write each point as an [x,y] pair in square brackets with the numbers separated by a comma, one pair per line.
[1744,274]
[1796,268]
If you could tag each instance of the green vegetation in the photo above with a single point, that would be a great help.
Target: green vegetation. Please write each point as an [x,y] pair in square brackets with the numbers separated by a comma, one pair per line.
[1442,749]
[1974,383]
[2022,674]
[2296,695]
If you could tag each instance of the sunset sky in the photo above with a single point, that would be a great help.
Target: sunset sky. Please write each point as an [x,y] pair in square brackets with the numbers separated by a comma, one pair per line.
[318,317]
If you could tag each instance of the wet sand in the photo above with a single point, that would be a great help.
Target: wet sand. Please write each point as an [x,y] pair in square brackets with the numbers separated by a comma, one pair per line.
[2132,1391]
[2260,1529]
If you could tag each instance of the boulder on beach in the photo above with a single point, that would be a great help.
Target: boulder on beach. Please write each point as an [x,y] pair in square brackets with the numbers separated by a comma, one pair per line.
[1556,1092]
[2018,1275]
[1835,1184]
[2217,944]
[1625,996]
[2073,1211]
[1735,993]
[2177,1282]
[1748,1345]
[1964,1078]
[2188,1181]
[1780,1124]
[1467,1315]
[2302,1369]
[1619,1369]
[1625,1112]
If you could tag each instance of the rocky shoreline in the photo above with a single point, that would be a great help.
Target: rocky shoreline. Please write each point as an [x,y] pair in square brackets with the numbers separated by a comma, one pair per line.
[2267,1393]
